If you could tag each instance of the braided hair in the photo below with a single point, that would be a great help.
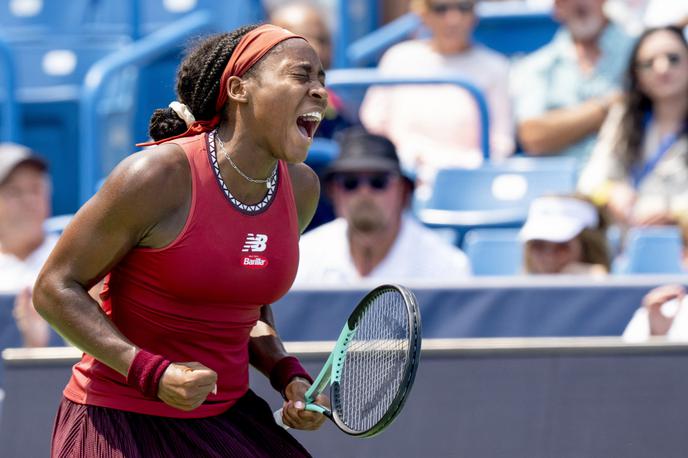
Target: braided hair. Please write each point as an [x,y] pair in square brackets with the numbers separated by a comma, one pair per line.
[198,83]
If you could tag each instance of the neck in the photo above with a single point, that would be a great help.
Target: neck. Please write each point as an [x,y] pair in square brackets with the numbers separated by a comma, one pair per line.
[588,54]
[254,161]
[588,49]
[20,244]
[670,113]
[369,249]
[449,50]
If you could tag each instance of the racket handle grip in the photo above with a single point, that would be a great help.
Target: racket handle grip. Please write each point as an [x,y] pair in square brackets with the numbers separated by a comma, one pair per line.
[277,415]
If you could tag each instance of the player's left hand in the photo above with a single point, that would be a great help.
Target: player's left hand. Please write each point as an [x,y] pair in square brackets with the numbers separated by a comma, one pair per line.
[294,414]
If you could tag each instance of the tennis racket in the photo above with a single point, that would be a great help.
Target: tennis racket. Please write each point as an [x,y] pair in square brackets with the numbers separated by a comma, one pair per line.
[373,364]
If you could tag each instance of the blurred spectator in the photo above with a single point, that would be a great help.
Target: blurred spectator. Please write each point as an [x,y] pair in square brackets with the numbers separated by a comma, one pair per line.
[666,12]
[24,246]
[440,125]
[637,15]
[565,235]
[639,167]
[563,91]
[683,225]
[663,313]
[305,19]
[374,237]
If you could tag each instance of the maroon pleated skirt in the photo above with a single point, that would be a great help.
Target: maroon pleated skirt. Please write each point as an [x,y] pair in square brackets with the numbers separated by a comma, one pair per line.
[245,430]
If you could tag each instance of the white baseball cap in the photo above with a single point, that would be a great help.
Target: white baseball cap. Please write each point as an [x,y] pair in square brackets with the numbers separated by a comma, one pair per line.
[558,219]
[13,155]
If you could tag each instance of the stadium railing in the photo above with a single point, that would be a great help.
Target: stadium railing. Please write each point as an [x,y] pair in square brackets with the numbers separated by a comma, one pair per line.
[511,30]
[359,79]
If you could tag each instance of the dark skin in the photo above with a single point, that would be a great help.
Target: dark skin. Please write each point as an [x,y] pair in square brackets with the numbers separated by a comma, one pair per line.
[145,203]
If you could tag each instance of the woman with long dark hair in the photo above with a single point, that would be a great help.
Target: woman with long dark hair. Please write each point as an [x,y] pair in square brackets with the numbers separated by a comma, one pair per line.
[639,167]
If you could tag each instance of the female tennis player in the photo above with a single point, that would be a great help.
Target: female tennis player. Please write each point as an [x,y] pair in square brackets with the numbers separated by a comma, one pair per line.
[194,236]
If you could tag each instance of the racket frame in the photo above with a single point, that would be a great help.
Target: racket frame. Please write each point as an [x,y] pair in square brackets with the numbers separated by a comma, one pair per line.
[331,371]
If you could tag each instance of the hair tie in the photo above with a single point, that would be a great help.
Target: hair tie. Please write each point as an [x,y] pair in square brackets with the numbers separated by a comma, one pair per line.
[183,112]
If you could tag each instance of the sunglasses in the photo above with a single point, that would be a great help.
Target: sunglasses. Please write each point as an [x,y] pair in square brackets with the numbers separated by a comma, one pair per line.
[647,64]
[443,8]
[377,182]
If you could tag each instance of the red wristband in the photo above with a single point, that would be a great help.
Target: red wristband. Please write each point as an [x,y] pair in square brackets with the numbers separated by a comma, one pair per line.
[284,371]
[146,371]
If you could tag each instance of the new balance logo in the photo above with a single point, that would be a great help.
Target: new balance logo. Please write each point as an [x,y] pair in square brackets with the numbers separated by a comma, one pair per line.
[255,242]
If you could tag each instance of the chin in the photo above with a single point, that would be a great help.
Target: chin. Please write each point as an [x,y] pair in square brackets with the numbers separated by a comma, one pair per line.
[295,155]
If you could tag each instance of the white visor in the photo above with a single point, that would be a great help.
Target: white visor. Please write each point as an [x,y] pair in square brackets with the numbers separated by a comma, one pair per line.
[558,219]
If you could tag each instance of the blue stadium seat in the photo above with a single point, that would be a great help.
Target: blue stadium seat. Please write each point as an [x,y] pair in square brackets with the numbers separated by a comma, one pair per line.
[127,17]
[496,194]
[510,30]
[514,29]
[49,74]
[494,252]
[19,17]
[651,250]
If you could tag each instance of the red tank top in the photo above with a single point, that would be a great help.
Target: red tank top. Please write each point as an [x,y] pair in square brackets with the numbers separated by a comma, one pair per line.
[198,298]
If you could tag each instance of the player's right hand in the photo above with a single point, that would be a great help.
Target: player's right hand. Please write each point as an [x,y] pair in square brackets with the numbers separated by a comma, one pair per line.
[185,386]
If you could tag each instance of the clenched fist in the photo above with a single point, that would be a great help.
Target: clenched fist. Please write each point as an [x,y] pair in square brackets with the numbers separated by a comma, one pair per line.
[186,385]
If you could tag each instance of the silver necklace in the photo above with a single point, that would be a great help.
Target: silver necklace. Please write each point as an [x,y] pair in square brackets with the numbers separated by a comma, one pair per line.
[266,181]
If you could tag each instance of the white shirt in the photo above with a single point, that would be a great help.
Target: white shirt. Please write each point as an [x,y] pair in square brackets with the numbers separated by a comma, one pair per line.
[417,254]
[16,274]
[438,125]
[638,329]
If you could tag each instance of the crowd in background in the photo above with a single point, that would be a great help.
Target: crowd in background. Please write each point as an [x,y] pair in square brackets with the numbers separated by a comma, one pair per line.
[610,90]
[607,91]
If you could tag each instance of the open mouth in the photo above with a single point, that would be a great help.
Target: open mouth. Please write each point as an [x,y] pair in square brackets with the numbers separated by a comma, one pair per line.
[308,123]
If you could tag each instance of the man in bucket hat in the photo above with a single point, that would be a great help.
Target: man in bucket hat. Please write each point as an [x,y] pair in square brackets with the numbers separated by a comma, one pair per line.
[374,236]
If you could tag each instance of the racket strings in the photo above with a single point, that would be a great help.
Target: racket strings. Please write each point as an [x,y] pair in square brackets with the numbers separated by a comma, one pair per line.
[375,362]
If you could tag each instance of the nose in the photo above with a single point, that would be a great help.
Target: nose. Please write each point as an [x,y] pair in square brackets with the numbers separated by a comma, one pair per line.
[318,91]
[453,16]
[661,64]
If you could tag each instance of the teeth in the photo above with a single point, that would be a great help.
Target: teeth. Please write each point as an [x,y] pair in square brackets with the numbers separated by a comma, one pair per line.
[312,116]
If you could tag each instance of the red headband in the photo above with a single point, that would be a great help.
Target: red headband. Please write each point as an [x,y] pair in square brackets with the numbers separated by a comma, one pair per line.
[250,49]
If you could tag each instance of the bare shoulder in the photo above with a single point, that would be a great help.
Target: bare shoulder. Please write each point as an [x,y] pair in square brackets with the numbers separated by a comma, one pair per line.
[306,185]
[147,190]
[160,175]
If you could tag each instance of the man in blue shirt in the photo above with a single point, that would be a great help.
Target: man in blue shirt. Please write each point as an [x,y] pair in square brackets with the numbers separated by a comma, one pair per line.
[563,91]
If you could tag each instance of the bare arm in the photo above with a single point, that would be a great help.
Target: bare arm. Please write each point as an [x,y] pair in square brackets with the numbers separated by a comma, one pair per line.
[265,346]
[558,129]
[133,208]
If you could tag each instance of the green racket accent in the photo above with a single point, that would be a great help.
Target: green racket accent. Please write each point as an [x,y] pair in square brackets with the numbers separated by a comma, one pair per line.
[331,371]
